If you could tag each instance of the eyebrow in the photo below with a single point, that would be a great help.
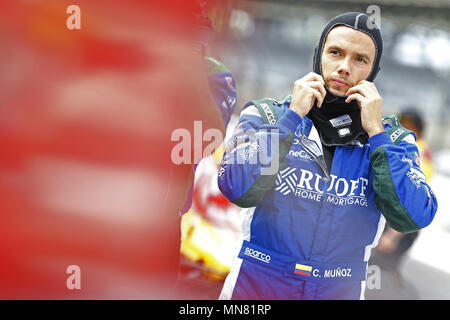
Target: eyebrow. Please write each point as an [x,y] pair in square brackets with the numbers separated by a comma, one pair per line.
[362,55]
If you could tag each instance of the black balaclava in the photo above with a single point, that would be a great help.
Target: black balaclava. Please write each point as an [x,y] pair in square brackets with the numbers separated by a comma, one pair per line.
[345,125]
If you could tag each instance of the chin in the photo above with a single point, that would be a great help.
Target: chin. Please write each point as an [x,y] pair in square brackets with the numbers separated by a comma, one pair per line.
[338,92]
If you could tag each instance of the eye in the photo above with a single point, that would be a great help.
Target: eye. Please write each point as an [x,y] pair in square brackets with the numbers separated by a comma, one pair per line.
[334,52]
[361,60]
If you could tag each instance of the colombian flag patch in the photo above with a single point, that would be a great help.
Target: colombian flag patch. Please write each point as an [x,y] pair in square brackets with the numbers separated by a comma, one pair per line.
[303,270]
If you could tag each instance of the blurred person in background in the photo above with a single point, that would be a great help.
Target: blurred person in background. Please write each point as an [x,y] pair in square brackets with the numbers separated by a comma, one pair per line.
[222,88]
[319,197]
[210,232]
[222,96]
[413,120]
[393,245]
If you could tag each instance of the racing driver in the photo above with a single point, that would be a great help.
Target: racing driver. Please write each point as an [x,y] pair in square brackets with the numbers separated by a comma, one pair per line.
[341,172]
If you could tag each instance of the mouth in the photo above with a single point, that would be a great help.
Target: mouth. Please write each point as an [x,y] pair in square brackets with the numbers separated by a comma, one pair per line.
[339,83]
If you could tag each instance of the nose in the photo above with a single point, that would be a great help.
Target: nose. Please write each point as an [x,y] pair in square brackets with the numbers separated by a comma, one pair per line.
[344,67]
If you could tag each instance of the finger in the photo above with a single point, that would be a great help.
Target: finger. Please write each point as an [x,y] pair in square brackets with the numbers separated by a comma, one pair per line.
[312,84]
[365,82]
[318,96]
[314,77]
[370,85]
[359,88]
[322,91]
[319,87]
[355,96]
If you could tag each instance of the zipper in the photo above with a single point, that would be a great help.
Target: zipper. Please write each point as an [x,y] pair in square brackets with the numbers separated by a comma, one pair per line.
[313,150]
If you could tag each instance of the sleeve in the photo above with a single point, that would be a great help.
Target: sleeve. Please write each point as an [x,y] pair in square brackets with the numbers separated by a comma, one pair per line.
[402,193]
[254,155]
[222,86]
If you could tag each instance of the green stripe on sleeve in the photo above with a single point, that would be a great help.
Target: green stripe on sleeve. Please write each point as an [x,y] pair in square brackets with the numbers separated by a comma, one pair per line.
[386,196]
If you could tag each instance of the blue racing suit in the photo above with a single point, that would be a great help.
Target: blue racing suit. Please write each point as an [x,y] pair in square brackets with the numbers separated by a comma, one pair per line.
[308,231]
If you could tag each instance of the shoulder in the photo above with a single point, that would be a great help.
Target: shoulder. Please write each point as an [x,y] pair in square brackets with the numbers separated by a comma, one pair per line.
[396,131]
[270,109]
[214,66]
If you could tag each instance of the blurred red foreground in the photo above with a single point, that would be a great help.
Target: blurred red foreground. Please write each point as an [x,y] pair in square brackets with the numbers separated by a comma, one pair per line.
[85,123]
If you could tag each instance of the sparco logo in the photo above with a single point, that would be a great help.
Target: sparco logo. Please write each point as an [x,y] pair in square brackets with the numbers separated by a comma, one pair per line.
[269,113]
[396,134]
[257,255]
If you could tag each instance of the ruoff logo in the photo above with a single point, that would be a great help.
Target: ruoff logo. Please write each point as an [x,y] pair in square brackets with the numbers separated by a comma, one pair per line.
[308,185]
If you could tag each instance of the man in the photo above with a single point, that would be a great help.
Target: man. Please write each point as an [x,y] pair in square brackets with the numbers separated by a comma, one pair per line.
[342,172]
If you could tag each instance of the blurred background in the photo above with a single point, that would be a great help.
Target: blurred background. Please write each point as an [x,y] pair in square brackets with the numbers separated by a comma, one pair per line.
[268,45]
[86,176]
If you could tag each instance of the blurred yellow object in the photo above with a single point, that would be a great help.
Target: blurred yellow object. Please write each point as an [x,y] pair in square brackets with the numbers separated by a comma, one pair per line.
[203,238]
[426,158]
[218,154]
[201,243]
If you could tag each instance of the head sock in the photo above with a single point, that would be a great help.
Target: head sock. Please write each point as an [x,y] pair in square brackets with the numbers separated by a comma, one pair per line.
[338,122]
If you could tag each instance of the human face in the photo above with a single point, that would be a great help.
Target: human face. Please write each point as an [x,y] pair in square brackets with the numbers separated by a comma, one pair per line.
[347,58]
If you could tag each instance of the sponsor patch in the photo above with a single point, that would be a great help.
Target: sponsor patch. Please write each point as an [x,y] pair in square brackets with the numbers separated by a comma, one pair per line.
[229,81]
[341,121]
[396,134]
[303,269]
[309,185]
[344,132]
[270,116]
[309,271]
[261,256]
[416,159]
